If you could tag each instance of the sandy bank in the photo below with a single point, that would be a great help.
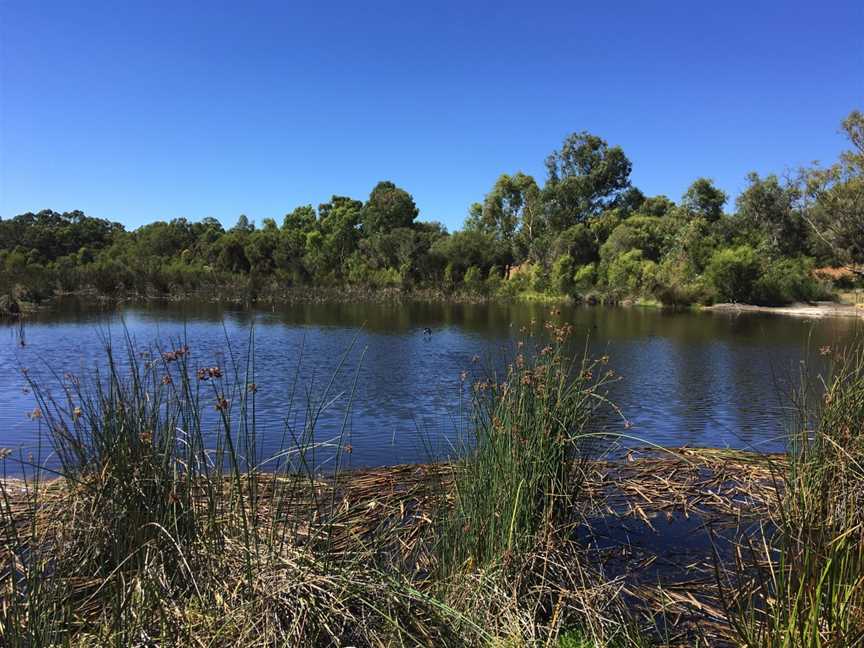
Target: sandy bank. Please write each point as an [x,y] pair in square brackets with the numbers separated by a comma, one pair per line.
[814,309]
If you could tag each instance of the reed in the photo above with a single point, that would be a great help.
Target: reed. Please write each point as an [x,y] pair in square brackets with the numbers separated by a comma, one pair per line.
[803,580]
[506,548]
[160,523]
[157,525]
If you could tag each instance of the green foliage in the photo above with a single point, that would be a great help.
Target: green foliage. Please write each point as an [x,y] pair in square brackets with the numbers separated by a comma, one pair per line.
[585,177]
[578,242]
[585,277]
[786,280]
[834,200]
[586,219]
[644,233]
[804,579]
[766,210]
[703,200]
[734,272]
[473,279]
[563,271]
[388,207]
[523,456]
[740,275]
[630,274]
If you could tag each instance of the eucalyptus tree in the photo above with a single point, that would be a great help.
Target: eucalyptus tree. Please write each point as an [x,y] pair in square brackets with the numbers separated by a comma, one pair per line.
[834,199]
[704,200]
[585,177]
[766,209]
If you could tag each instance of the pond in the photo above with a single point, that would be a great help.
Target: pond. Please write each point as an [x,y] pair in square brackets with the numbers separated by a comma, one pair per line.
[686,378]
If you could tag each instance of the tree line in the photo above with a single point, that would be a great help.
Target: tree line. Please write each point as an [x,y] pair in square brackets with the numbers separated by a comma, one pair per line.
[587,232]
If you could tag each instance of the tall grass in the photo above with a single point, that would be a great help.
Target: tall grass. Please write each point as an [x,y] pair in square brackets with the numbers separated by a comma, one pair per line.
[522,468]
[506,547]
[808,588]
[162,530]
[159,523]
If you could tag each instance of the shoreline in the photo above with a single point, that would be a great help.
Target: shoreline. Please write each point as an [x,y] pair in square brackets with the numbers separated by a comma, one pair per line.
[330,295]
[817,310]
[645,518]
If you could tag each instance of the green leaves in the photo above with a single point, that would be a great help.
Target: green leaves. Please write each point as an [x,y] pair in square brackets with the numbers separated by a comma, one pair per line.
[388,207]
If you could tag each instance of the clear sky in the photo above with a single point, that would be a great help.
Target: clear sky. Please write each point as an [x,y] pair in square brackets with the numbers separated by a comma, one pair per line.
[154,110]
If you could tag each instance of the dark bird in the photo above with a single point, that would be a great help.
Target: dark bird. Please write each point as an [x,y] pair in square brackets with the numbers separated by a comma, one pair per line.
[427,331]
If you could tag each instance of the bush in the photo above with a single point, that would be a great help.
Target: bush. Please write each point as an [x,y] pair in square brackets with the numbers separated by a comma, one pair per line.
[494,280]
[734,272]
[539,278]
[473,279]
[679,285]
[585,277]
[563,271]
[785,281]
[630,274]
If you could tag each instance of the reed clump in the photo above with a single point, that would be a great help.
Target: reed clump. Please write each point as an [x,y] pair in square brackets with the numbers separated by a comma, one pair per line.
[159,523]
[507,534]
[162,530]
[804,580]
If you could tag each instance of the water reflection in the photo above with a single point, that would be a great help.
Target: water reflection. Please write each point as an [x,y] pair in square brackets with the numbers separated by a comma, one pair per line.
[687,378]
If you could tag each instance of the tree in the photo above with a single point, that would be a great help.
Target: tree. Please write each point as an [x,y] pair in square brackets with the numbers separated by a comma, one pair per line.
[462,250]
[340,222]
[243,225]
[231,255]
[703,199]
[648,234]
[585,177]
[301,219]
[658,206]
[261,246]
[766,207]
[834,199]
[563,272]
[511,208]
[388,207]
[577,242]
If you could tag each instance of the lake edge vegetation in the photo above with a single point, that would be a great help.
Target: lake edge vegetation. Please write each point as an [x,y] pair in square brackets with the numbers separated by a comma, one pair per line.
[586,234]
[154,536]
[148,534]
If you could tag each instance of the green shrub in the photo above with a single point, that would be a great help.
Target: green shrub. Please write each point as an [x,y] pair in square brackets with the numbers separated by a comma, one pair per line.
[678,284]
[539,278]
[585,277]
[451,277]
[473,279]
[786,280]
[494,280]
[630,274]
[734,272]
[563,271]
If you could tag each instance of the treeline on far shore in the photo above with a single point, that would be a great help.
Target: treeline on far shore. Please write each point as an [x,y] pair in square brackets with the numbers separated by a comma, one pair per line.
[586,233]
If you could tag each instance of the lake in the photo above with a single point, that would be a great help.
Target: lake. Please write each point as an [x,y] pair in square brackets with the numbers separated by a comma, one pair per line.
[686,378]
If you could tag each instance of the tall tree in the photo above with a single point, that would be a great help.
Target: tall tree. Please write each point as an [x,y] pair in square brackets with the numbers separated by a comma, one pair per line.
[340,222]
[510,213]
[834,199]
[388,208]
[585,177]
[766,208]
[702,199]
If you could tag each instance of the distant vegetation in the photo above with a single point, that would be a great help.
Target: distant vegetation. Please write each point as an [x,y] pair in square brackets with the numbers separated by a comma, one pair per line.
[586,233]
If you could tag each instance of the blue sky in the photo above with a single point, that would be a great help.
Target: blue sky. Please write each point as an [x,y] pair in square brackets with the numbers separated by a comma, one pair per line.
[145,111]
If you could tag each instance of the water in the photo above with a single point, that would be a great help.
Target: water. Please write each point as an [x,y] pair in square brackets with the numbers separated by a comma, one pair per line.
[696,379]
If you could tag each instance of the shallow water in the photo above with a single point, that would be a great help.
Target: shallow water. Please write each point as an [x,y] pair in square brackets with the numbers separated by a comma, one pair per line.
[698,379]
